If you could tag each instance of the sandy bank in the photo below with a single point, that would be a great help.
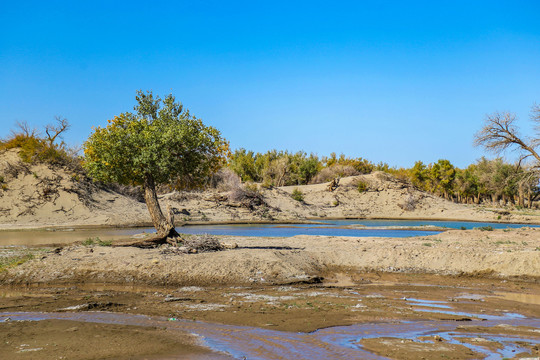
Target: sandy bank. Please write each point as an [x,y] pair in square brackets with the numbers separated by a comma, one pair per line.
[503,253]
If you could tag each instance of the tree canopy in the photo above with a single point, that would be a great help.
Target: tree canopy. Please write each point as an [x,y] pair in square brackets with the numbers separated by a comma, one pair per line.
[161,143]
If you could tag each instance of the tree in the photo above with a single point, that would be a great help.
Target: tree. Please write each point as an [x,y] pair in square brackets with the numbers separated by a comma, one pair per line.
[158,144]
[500,133]
[53,131]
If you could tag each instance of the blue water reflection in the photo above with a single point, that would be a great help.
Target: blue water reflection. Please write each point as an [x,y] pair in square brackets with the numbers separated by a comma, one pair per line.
[406,223]
[372,228]
[282,231]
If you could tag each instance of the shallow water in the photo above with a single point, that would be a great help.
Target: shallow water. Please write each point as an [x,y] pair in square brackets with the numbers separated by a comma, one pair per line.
[437,223]
[303,229]
[357,228]
[342,342]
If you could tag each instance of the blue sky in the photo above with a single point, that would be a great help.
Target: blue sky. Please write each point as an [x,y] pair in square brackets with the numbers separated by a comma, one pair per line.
[387,81]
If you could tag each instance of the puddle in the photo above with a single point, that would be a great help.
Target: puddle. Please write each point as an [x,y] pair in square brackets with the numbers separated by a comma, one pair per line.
[522,298]
[342,342]
[505,316]
[434,307]
[472,297]
[427,303]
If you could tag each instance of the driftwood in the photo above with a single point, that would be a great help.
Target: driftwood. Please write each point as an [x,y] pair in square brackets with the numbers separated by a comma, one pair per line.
[333,184]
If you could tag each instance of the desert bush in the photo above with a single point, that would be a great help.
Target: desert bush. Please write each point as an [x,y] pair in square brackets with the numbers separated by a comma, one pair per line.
[35,148]
[225,180]
[409,204]
[96,241]
[330,173]
[201,243]
[267,184]
[278,172]
[361,186]
[249,196]
[485,228]
[297,195]
[7,262]
[362,166]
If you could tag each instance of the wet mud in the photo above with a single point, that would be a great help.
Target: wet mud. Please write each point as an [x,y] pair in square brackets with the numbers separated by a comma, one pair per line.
[351,315]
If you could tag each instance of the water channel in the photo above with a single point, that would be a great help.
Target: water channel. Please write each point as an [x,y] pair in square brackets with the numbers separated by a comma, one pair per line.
[357,228]
[340,342]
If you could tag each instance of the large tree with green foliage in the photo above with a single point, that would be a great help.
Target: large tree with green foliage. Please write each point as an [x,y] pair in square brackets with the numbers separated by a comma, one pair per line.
[160,143]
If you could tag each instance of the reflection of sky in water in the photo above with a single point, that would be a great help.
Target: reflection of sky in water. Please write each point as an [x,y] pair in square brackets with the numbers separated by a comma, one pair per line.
[375,228]
[339,342]
[283,231]
[448,224]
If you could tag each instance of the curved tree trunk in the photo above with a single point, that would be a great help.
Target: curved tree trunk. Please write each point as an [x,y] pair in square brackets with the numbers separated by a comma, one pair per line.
[164,226]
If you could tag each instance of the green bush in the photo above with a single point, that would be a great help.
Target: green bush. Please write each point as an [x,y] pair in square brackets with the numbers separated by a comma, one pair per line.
[12,261]
[297,195]
[362,186]
[96,241]
[485,228]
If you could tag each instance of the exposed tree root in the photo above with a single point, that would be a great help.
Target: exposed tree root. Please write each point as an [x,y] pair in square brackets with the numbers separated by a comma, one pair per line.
[172,238]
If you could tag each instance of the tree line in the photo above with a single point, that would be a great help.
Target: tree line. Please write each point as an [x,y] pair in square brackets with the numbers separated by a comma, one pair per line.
[494,180]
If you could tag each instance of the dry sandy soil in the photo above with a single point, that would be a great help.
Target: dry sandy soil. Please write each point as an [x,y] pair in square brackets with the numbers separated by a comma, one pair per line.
[501,253]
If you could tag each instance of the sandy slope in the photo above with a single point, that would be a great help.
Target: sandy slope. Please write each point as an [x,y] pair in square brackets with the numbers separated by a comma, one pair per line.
[42,195]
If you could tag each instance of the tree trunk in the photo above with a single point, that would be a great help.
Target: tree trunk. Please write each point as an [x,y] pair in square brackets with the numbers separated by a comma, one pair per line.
[164,226]
[521,195]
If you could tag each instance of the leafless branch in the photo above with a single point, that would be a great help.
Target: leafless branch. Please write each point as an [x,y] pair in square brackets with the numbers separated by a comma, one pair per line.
[24,129]
[499,133]
[55,130]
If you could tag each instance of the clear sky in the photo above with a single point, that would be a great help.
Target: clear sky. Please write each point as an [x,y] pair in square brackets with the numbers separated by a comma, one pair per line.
[392,81]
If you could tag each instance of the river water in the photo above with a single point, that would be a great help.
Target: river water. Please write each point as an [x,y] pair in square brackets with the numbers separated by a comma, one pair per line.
[357,228]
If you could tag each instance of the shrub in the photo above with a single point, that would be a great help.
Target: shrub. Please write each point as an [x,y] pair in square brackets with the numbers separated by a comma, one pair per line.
[16,260]
[249,196]
[96,241]
[297,195]
[202,243]
[33,148]
[409,204]
[361,186]
[225,180]
[330,173]
[485,228]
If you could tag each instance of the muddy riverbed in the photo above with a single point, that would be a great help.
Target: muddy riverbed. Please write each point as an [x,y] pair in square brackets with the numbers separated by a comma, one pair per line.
[468,294]
[348,315]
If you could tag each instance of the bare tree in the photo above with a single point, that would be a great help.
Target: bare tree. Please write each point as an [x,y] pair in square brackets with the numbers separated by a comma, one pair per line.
[24,129]
[499,133]
[54,130]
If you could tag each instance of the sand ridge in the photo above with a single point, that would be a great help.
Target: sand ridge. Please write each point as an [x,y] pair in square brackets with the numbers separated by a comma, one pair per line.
[42,195]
